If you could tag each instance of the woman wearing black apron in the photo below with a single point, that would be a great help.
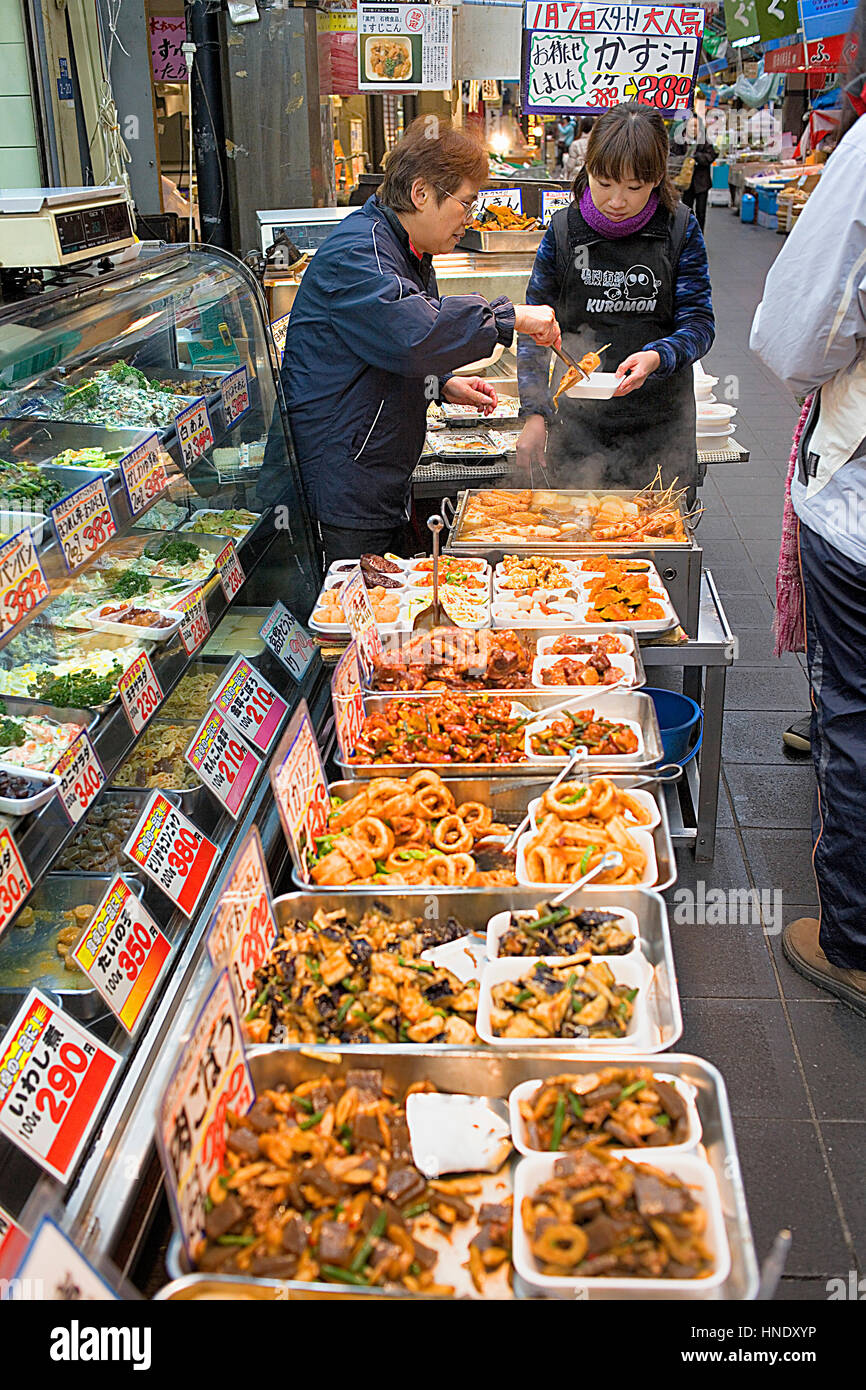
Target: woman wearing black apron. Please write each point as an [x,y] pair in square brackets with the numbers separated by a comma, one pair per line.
[624,264]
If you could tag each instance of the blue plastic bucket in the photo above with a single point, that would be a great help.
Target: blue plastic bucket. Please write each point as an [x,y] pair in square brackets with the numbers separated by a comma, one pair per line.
[747,207]
[679,720]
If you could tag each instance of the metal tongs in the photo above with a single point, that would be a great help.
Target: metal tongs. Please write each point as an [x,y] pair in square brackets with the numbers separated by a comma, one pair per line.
[570,362]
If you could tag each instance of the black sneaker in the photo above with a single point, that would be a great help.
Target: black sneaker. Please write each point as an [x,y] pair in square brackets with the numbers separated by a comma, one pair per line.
[798,736]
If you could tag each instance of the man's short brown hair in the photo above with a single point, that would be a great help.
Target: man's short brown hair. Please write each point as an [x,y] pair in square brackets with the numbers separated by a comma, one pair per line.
[434,151]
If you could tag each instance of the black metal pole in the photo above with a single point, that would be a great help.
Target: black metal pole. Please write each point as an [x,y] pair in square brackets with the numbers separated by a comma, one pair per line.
[208,131]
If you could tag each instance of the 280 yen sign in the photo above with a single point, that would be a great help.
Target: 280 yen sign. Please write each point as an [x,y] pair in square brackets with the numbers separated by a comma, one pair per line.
[22,581]
[170,849]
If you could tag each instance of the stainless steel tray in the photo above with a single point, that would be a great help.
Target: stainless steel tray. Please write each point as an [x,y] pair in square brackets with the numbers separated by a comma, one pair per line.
[509,799]
[620,705]
[531,636]
[191,800]
[474,239]
[28,956]
[21,707]
[109,795]
[458,545]
[485,1073]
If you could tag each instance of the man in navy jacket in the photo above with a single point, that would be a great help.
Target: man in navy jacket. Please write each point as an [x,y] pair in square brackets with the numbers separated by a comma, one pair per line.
[370,343]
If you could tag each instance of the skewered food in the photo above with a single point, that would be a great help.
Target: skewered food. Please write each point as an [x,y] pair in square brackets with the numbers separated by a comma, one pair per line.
[622,1107]
[411,831]
[319,1184]
[602,1216]
[445,659]
[501,516]
[330,980]
[567,1000]
[600,737]
[587,364]
[565,931]
[97,846]
[442,729]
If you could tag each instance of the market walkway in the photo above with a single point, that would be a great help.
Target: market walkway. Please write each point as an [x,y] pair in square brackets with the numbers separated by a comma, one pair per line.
[793,1058]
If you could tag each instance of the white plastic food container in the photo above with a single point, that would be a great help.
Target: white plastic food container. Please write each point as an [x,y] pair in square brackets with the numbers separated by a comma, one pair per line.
[501,921]
[532,1172]
[643,839]
[714,413]
[599,387]
[527,1089]
[546,663]
[632,970]
[503,587]
[644,797]
[542,724]
[148,634]
[544,645]
[508,613]
[22,806]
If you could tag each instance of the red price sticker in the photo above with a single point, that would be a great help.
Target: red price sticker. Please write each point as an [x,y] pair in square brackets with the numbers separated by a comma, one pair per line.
[23,585]
[356,605]
[195,624]
[173,852]
[347,701]
[13,1242]
[230,570]
[243,929]
[211,1077]
[300,788]
[290,643]
[140,692]
[145,474]
[235,393]
[81,777]
[194,431]
[123,952]
[83,523]
[250,703]
[15,882]
[223,761]
[53,1079]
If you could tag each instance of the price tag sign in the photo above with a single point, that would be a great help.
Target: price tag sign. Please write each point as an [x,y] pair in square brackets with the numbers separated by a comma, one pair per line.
[300,788]
[211,1077]
[82,776]
[195,624]
[502,197]
[53,1079]
[230,571]
[23,585]
[123,952]
[347,701]
[243,927]
[552,199]
[173,852]
[223,761]
[57,1268]
[235,393]
[83,523]
[290,643]
[279,329]
[250,703]
[15,882]
[194,431]
[140,692]
[144,474]
[362,624]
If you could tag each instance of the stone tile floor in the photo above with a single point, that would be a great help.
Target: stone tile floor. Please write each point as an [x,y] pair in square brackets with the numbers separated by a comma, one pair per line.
[793,1058]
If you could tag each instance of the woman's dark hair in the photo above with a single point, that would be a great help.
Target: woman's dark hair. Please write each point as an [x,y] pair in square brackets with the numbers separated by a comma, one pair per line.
[434,151]
[630,142]
[854,69]
[586,125]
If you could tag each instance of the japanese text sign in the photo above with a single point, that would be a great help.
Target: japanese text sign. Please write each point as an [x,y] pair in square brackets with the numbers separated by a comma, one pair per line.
[223,761]
[404,47]
[587,57]
[243,928]
[347,700]
[195,624]
[300,788]
[173,852]
[230,570]
[140,692]
[279,329]
[23,585]
[211,1077]
[290,643]
[194,431]
[15,882]
[167,33]
[53,1079]
[235,393]
[81,777]
[144,473]
[123,952]
[83,522]
[54,1265]
[250,703]
[358,611]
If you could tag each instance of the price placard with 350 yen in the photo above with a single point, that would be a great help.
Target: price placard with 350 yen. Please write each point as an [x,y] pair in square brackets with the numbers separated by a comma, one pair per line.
[15,882]
[23,585]
[81,777]
[172,851]
[140,692]
[123,951]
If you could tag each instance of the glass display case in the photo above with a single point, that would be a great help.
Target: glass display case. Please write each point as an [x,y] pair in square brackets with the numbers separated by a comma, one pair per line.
[150,518]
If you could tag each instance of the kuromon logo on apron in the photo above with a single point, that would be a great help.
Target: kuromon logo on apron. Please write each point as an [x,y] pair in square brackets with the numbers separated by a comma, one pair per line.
[632,291]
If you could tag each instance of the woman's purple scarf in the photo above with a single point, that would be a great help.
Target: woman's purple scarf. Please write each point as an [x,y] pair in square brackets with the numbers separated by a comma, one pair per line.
[605,227]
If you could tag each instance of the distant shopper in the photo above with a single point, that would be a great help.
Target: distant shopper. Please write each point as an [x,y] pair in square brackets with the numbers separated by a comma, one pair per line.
[576,156]
[810,330]
[699,155]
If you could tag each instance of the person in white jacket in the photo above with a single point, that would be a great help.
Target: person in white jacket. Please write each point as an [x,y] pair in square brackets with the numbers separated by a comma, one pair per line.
[810,329]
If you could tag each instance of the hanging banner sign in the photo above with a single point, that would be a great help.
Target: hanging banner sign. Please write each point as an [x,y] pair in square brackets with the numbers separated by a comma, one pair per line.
[347,700]
[300,788]
[230,570]
[82,777]
[290,643]
[404,47]
[777,19]
[15,882]
[244,928]
[223,761]
[250,703]
[83,522]
[140,692]
[827,55]
[210,1078]
[821,19]
[23,585]
[279,329]
[123,952]
[144,474]
[741,22]
[194,431]
[167,33]
[53,1079]
[173,852]
[358,611]
[586,58]
[791,58]
[235,393]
